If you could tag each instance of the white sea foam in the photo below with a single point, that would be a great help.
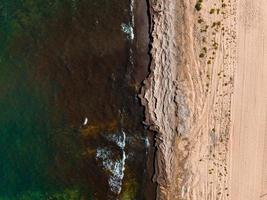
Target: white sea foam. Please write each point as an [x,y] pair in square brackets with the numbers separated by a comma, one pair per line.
[115,167]
[147,142]
[128,29]
[132,12]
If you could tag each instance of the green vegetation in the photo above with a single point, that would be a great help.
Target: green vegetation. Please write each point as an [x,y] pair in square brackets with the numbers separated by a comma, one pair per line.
[212,11]
[201,55]
[200,21]
[198,5]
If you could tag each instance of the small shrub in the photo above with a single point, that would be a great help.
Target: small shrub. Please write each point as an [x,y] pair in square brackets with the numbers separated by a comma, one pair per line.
[198,5]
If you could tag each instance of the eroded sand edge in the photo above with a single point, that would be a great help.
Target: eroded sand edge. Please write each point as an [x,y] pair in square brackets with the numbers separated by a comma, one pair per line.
[188,96]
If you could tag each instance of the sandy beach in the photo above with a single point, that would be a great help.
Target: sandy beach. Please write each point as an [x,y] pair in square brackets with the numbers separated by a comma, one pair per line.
[206,99]
[249,169]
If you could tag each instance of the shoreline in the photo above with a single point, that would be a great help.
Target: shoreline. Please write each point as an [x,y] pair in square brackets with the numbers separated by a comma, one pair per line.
[140,72]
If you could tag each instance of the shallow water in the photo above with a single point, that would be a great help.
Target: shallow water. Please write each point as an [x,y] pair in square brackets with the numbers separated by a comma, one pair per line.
[70,123]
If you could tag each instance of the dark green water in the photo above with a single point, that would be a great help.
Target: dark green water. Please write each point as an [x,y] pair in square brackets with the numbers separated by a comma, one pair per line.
[68,91]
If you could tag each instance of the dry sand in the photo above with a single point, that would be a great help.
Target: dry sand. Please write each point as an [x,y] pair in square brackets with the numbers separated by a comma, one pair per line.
[206,98]
[249,143]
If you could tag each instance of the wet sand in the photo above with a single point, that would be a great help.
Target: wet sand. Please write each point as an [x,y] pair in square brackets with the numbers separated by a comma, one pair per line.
[141,71]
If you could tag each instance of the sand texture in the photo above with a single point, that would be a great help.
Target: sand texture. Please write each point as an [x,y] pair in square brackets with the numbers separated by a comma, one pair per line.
[206,98]
[249,144]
